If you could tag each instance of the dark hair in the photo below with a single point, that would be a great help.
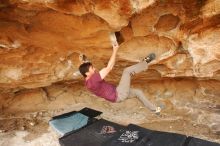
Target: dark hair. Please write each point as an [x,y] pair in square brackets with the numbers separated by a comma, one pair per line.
[83,68]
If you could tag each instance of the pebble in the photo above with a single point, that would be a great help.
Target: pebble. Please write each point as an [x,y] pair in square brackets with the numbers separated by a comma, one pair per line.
[32,123]
[35,115]
[194,124]
[2,131]
[22,128]
[40,113]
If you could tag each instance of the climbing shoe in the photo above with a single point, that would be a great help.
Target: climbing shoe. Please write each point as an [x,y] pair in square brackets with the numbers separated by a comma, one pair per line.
[150,57]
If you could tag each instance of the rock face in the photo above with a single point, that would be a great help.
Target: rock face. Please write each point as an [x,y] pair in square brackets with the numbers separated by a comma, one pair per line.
[43,41]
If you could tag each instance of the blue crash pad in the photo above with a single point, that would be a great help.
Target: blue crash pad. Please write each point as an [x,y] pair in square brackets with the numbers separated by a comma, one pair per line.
[66,124]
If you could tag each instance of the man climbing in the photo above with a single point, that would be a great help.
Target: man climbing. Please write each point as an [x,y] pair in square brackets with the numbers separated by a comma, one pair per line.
[95,83]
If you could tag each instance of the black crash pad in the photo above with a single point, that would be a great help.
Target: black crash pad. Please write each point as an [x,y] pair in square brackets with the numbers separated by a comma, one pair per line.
[92,135]
[134,135]
[200,142]
[91,113]
[101,132]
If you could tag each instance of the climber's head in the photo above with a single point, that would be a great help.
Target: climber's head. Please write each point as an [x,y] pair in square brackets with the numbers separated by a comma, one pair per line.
[86,69]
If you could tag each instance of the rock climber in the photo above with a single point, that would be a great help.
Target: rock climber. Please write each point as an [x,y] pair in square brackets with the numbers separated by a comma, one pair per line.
[95,83]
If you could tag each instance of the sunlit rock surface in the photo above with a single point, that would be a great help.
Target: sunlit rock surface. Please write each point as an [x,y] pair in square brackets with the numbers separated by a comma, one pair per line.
[41,47]
[41,40]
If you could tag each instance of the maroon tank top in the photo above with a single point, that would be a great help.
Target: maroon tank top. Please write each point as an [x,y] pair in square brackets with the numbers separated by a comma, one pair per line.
[101,88]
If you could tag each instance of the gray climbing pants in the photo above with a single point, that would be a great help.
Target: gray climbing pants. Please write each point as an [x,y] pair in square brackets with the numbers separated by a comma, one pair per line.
[124,89]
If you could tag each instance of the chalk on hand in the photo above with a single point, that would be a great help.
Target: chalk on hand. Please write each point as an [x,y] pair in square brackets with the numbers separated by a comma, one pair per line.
[113,39]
